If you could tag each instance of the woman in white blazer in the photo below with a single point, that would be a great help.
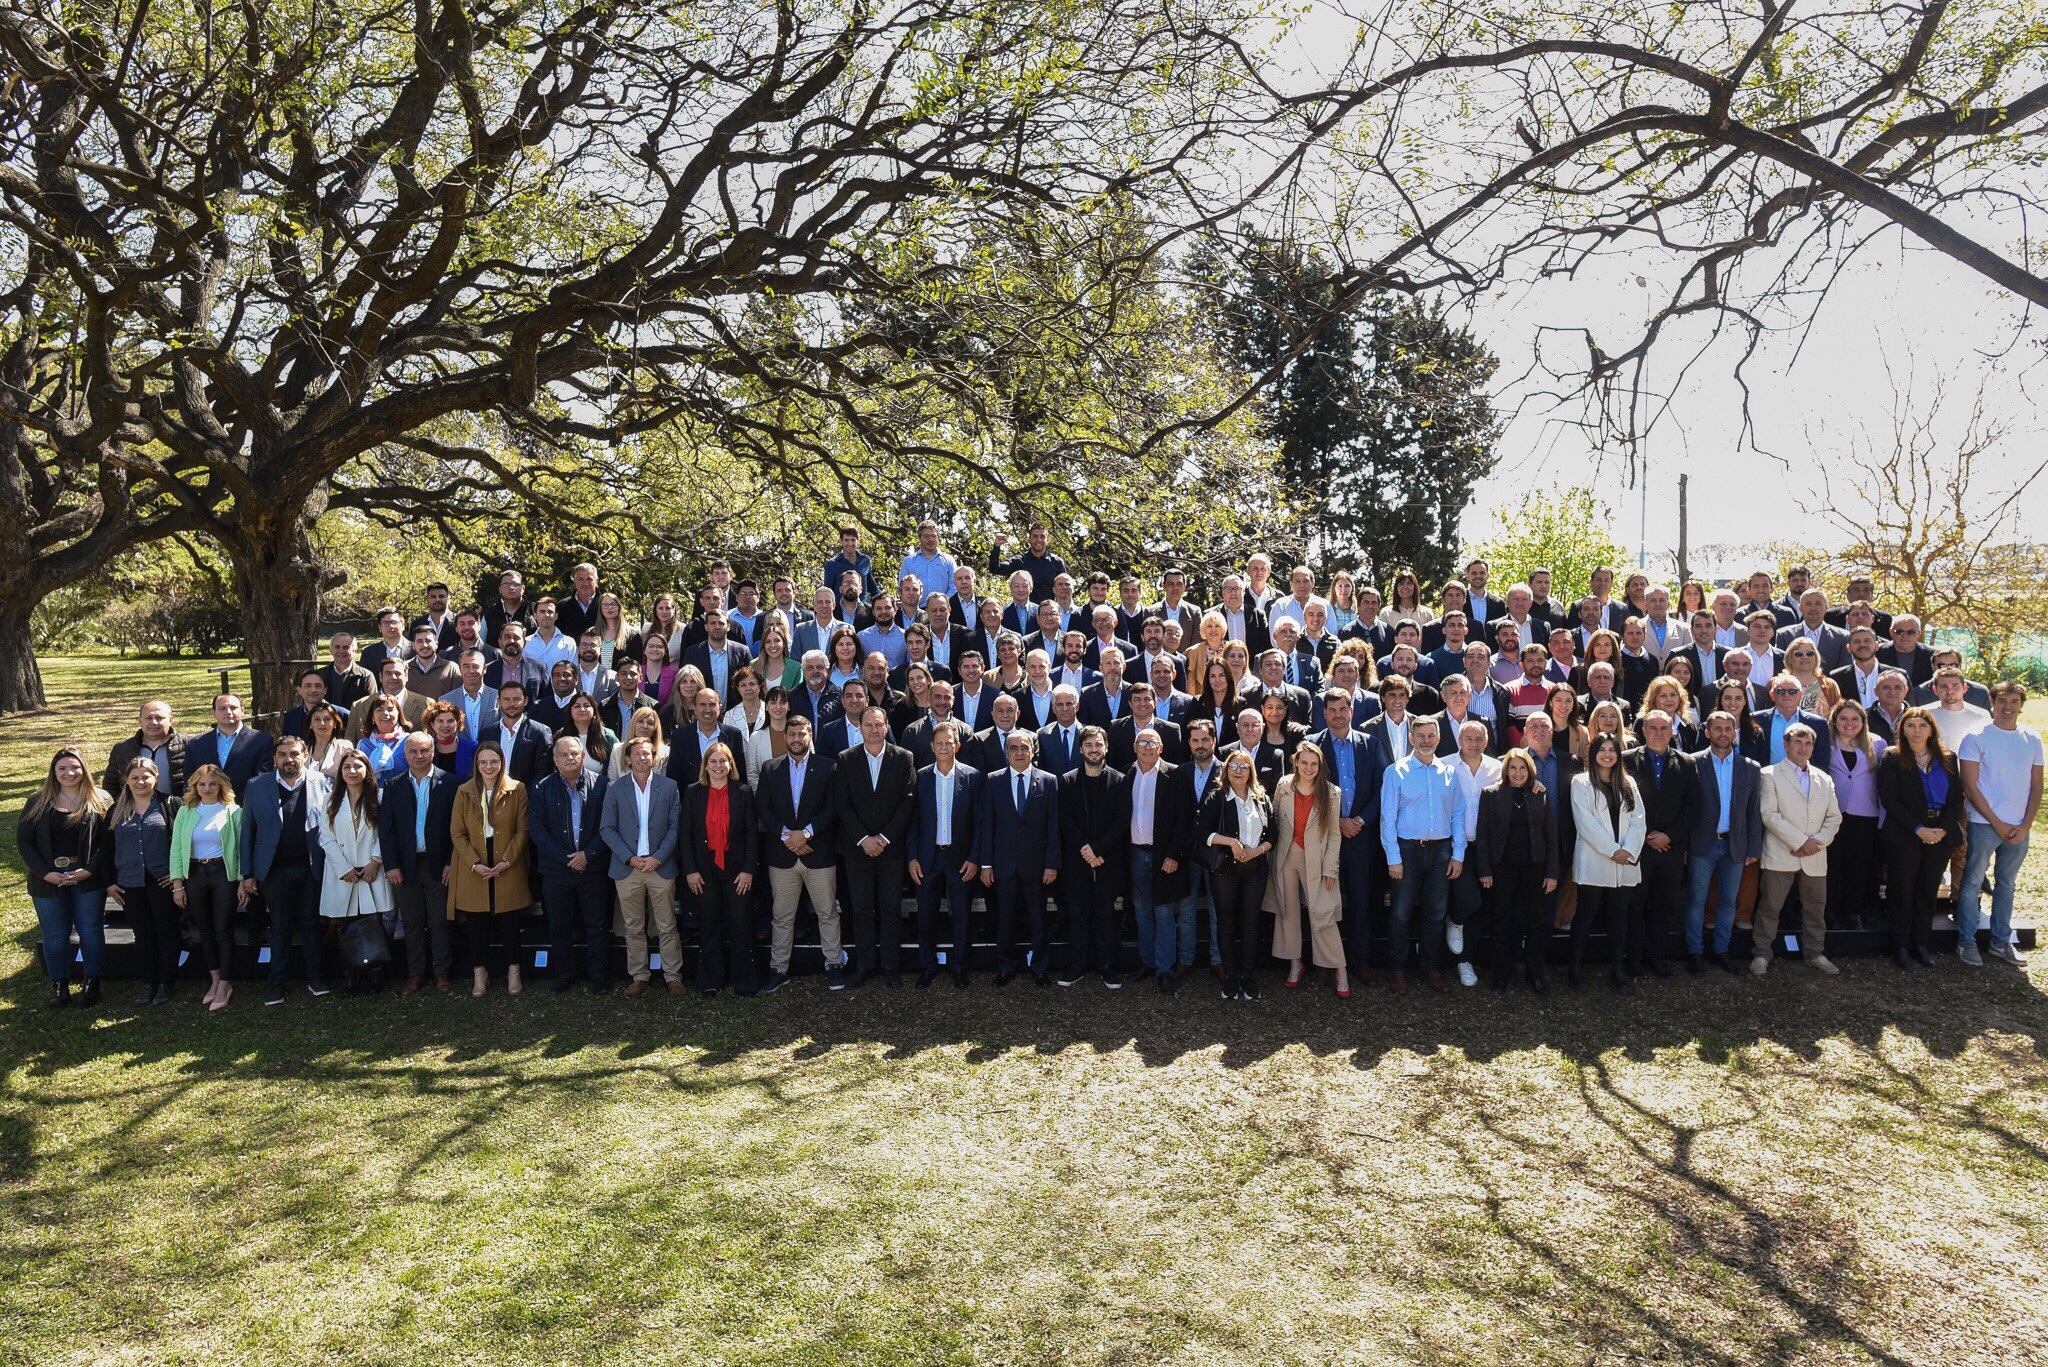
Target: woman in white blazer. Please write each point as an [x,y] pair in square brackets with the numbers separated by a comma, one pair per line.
[353,884]
[1608,813]
[1306,848]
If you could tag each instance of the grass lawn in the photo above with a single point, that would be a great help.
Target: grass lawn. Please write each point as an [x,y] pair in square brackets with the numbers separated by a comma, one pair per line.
[1715,1170]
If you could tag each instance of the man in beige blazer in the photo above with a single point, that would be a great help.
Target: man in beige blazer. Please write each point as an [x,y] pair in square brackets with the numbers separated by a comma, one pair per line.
[1800,816]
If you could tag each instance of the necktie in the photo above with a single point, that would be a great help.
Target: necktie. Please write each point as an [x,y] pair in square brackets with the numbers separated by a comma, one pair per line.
[1020,794]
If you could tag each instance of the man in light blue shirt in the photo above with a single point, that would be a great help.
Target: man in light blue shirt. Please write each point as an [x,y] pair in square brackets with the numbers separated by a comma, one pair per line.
[1422,830]
[885,635]
[932,566]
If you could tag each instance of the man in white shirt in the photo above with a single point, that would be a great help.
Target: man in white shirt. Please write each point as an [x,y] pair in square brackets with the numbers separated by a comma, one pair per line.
[2001,765]
[1953,717]
[1301,585]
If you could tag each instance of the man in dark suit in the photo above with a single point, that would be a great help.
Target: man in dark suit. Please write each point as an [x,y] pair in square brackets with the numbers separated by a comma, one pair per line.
[1728,834]
[1298,669]
[1123,737]
[1161,800]
[1109,698]
[348,682]
[1386,734]
[943,851]
[616,712]
[874,790]
[413,812]
[989,750]
[281,857]
[437,618]
[1349,763]
[1245,618]
[391,642]
[312,698]
[1482,607]
[1704,654]
[718,657]
[1272,668]
[1104,637]
[973,701]
[576,610]
[1907,653]
[1268,761]
[551,708]
[1094,838]
[1857,678]
[526,743]
[1668,781]
[1173,604]
[1059,741]
[686,747]
[1862,589]
[814,698]
[241,751]
[1785,712]
[513,664]
[1020,855]
[800,847]
[156,738]
[917,737]
[565,823]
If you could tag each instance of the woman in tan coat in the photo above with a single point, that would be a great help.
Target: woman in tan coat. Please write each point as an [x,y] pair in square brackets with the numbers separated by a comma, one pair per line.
[1306,845]
[487,882]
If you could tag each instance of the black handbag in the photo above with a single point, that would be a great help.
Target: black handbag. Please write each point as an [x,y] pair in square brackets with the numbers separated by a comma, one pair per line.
[363,942]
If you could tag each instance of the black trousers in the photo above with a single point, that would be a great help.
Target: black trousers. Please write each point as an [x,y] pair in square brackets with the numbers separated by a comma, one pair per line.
[1020,905]
[874,891]
[210,899]
[293,896]
[943,885]
[1610,906]
[1518,917]
[579,902]
[1239,890]
[154,917]
[1912,878]
[1853,864]
[1088,909]
[725,934]
[493,938]
[1658,899]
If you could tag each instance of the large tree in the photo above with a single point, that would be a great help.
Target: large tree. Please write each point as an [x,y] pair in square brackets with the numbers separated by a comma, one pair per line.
[296,233]
[1382,420]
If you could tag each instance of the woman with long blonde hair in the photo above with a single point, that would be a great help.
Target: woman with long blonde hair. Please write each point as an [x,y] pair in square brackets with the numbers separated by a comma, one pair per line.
[206,873]
[1304,873]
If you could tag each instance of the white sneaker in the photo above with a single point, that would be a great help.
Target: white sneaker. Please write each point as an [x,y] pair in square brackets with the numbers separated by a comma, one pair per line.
[1467,975]
[2009,952]
[1819,963]
[1759,966]
[1454,936]
[1967,952]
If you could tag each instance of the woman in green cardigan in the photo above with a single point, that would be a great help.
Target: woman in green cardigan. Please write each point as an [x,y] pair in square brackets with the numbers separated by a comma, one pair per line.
[206,871]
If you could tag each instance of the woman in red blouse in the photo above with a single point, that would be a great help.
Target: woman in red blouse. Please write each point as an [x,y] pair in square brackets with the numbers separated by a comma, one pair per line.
[716,857]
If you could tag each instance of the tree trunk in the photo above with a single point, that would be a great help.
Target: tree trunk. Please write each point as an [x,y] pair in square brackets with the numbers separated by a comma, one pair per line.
[21,682]
[278,578]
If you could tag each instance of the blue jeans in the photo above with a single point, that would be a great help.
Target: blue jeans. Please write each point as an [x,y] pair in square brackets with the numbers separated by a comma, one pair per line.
[61,909]
[1708,863]
[1987,850]
[1425,879]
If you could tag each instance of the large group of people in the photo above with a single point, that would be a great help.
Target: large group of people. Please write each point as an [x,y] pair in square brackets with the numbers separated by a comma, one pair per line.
[1317,775]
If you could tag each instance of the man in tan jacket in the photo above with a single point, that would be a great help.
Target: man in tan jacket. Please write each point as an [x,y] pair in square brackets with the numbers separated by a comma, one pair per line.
[1800,816]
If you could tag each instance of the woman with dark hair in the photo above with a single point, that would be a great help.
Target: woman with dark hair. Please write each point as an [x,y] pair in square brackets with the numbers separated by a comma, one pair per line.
[1514,856]
[352,882]
[141,825]
[1853,858]
[62,836]
[1217,702]
[487,874]
[206,872]
[1611,823]
[716,855]
[582,722]
[453,749]
[842,654]
[657,669]
[1921,788]
[1567,724]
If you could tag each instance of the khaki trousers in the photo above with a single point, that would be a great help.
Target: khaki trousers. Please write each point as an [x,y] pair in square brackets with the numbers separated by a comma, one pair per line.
[1772,887]
[642,893]
[1294,892]
[788,886]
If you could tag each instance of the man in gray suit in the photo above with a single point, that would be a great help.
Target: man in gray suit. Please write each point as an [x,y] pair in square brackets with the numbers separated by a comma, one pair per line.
[812,635]
[477,702]
[1728,834]
[641,822]
[1831,641]
[282,858]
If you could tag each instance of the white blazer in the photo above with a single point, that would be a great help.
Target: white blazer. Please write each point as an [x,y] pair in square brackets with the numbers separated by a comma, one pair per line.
[1593,864]
[1791,815]
[349,844]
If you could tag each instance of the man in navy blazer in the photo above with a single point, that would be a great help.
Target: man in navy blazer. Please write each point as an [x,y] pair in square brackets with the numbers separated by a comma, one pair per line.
[1350,764]
[526,743]
[799,825]
[719,657]
[943,851]
[874,795]
[1782,712]
[417,852]
[1059,741]
[241,751]
[1727,834]
[1706,657]
[1108,699]
[1020,855]
[814,696]
[281,856]
[564,822]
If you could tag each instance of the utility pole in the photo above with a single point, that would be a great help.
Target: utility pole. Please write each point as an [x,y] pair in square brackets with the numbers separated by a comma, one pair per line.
[1683,574]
